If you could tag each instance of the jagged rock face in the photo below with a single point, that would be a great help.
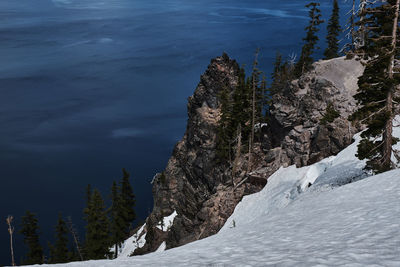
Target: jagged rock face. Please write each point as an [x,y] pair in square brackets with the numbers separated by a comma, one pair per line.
[194,183]
[298,111]
[201,189]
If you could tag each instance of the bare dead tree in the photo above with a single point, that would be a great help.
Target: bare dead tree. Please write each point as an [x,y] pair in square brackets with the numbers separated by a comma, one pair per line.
[350,29]
[74,234]
[238,152]
[11,231]
[253,104]
[387,135]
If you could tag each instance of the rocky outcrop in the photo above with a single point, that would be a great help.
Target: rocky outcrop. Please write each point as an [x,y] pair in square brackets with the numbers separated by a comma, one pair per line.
[194,183]
[297,112]
[203,191]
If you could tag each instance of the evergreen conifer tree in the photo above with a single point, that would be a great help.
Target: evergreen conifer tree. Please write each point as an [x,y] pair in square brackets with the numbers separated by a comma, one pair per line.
[256,98]
[276,75]
[127,201]
[30,228]
[378,84]
[305,62]
[117,218]
[281,76]
[224,133]
[241,108]
[59,253]
[97,228]
[334,30]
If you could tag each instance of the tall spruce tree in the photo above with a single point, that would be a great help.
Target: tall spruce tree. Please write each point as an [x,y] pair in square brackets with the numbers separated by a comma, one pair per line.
[30,228]
[305,61]
[59,253]
[378,84]
[97,241]
[334,30]
[117,218]
[127,201]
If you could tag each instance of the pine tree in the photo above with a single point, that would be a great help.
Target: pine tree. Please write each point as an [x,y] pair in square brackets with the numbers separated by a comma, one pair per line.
[281,76]
[305,62]
[128,202]
[264,99]
[378,84]
[334,30]
[241,109]
[224,133]
[255,79]
[117,218]
[330,114]
[59,253]
[277,74]
[30,228]
[97,228]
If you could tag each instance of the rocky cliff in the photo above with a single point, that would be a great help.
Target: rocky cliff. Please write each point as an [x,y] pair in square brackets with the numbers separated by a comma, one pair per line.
[204,192]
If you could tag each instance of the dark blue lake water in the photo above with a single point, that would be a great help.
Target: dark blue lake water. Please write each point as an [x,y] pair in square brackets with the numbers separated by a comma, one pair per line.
[88,87]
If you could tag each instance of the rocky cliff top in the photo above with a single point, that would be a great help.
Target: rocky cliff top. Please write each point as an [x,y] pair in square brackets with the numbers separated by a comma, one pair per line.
[204,192]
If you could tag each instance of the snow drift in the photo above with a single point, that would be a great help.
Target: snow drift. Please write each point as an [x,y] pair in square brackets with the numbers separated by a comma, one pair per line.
[326,214]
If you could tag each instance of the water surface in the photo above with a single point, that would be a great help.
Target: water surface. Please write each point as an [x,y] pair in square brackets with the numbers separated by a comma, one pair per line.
[88,87]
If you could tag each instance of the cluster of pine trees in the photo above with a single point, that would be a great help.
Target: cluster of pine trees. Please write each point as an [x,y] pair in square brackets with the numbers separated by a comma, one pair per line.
[247,105]
[239,110]
[105,228]
[375,33]
[373,30]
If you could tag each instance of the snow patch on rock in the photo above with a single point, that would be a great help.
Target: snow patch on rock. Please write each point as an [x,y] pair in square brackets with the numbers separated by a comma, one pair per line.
[136,241]
[162,247]
[167,222]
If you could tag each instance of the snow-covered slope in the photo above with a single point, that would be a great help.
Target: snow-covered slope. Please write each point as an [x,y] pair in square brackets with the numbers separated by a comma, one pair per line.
[326,214]
[134,242]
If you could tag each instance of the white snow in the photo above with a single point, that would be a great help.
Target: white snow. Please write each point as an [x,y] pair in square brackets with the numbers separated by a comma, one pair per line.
[343,219]
[162,247]
[137,240]
[167,222]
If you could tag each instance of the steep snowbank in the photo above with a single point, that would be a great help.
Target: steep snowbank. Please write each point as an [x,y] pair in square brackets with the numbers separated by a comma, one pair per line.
[326,214]
[136,241]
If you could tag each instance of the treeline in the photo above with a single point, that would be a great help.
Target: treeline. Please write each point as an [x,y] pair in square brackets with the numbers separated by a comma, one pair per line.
[245,109]
[106,229]
[373,31]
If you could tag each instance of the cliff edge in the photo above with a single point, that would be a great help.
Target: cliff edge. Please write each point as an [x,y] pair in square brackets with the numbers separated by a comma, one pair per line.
[197,193]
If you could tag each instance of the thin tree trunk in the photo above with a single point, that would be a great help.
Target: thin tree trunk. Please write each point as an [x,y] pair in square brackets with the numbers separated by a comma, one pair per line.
[352,26]
[237,155]
[387,136]
[74,235]
[251,141]
[363,5]
[249,163]
[11,231]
